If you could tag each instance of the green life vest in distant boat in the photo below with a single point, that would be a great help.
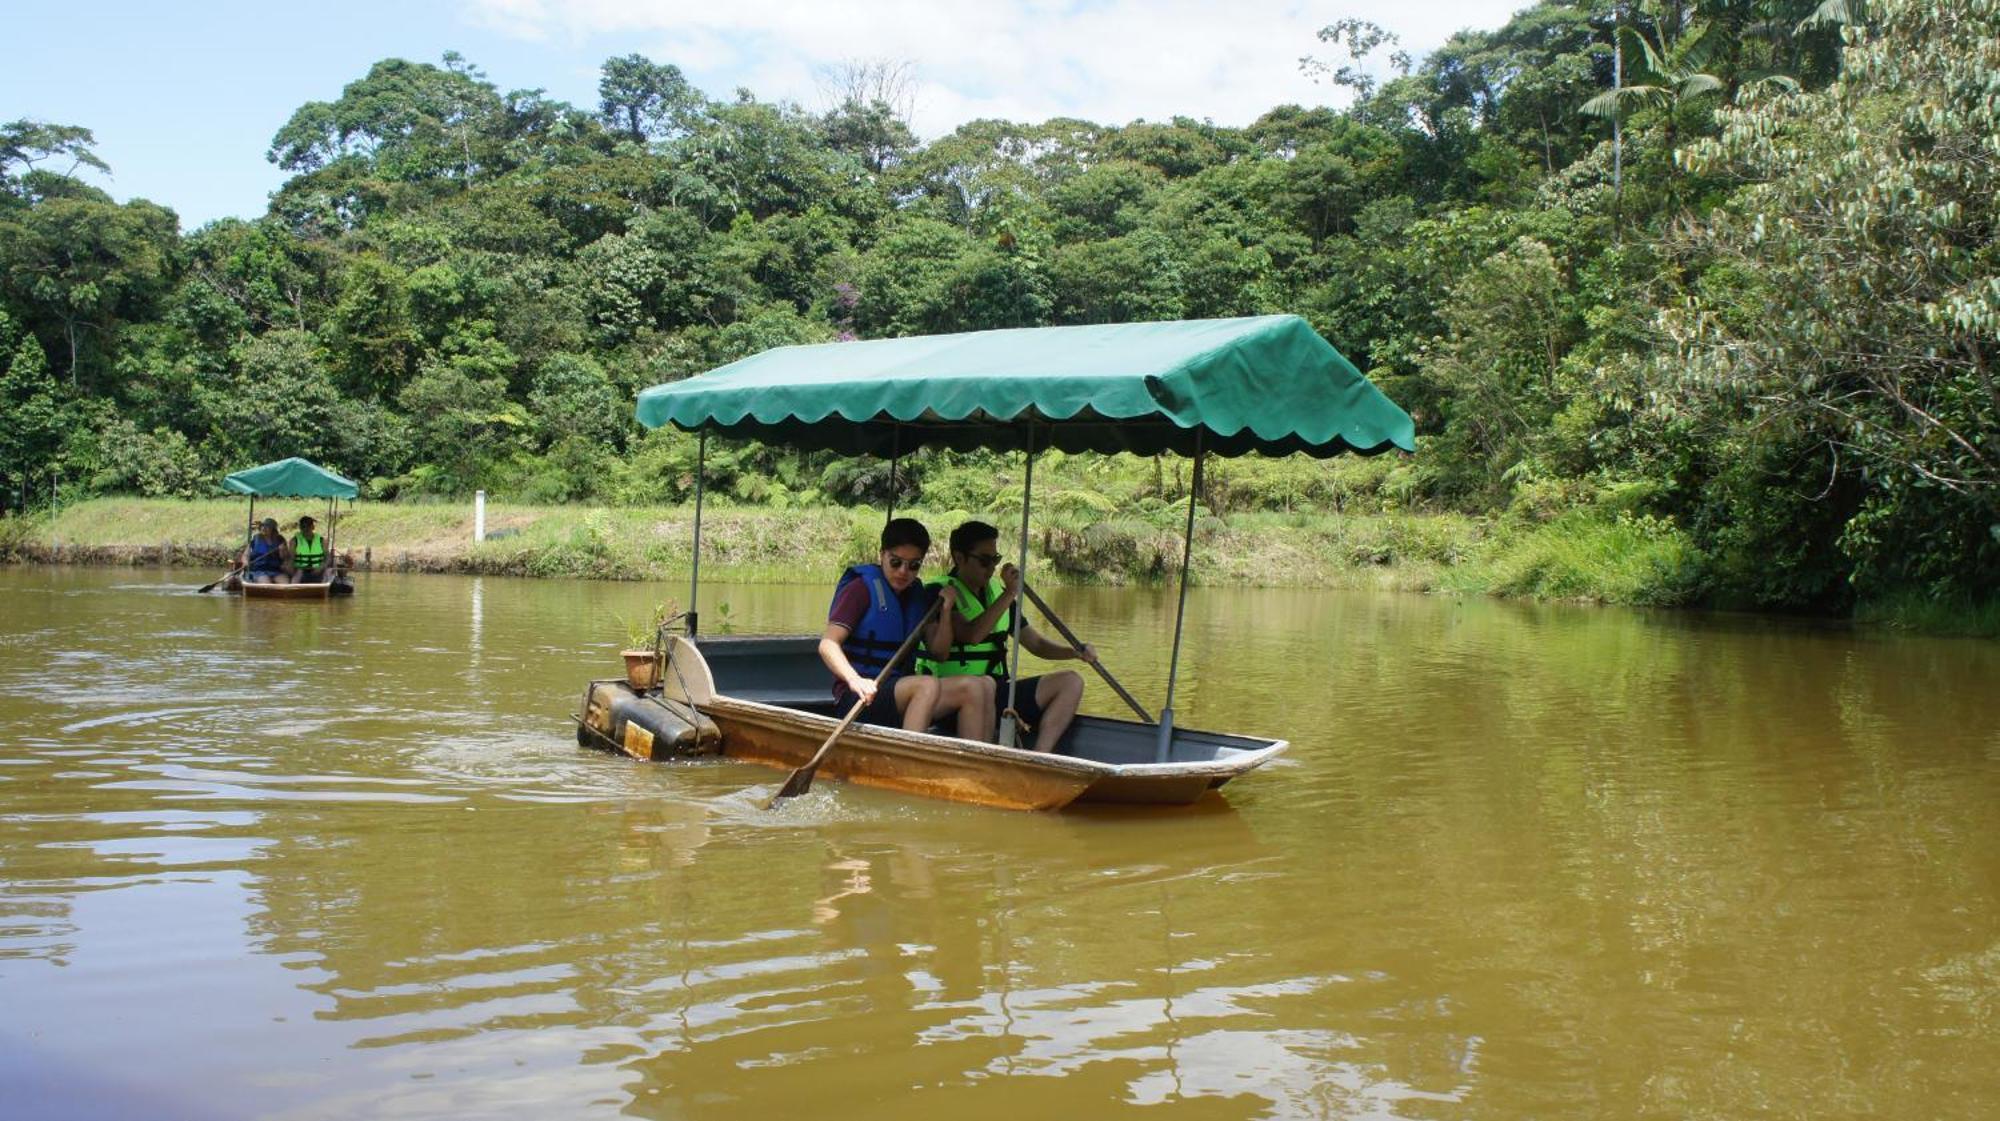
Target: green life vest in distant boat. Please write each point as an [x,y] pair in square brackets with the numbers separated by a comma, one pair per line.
[310,554]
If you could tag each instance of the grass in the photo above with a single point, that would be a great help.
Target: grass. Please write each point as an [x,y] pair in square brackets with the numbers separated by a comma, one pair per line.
[1927,614]
[1625,560]
[749,543]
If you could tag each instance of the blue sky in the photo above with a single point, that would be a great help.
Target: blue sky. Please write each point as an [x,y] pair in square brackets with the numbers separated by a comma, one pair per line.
[184,97]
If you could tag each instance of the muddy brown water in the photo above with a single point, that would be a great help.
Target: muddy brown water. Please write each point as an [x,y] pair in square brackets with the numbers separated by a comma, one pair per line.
[272,860]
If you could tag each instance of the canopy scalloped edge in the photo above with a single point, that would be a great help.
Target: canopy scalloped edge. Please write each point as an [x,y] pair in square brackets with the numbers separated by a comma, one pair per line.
[1268,384]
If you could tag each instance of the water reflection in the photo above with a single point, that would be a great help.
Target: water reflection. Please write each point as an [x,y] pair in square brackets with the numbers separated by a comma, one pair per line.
[1523,861]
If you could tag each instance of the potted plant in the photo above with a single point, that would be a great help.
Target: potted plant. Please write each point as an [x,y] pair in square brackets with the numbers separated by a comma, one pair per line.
[644,646]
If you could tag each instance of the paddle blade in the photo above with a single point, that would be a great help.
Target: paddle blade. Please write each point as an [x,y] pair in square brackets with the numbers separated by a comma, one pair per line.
[800,781]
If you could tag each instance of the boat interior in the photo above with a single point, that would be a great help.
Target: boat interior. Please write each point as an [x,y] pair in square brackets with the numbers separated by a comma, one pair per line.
[785,670]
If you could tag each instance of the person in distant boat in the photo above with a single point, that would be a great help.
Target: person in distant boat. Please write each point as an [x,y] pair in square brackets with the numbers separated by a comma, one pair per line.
[971,641]
[310,564]
[265,558]
[875,607]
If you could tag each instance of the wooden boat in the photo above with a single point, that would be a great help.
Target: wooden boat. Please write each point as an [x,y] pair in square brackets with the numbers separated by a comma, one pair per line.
[292,478]
[1267,385]
[768,701]
[303,593]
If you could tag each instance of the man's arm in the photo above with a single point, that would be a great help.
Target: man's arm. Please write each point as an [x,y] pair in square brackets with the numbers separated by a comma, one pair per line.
[1010,590]
[836,660]
[938,642]
[1042,646]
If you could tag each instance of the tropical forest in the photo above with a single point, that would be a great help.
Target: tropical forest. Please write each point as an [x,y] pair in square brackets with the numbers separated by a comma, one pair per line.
[1694,302]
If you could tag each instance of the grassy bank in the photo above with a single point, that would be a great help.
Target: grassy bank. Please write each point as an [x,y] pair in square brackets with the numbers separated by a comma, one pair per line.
[1399,551]
[1580,556]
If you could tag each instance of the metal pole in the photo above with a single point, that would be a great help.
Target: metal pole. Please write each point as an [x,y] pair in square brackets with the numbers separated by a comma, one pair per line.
[1180,612]
[1006,737]
[694,581]
[478,515]
[895,457]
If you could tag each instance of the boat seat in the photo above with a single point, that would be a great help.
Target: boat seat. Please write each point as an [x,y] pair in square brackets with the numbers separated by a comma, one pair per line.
[782,670]
[787,698]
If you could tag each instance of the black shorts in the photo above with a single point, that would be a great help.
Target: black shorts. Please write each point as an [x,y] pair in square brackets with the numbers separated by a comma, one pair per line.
[882,710]
[1025,704]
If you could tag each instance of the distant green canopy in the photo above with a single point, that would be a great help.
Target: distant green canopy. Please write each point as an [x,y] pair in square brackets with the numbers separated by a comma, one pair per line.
[290,478]
[1267,384]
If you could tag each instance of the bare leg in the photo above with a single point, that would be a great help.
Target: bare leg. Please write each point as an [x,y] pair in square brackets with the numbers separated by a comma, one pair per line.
[916,697]
[1058,693]
[972,697]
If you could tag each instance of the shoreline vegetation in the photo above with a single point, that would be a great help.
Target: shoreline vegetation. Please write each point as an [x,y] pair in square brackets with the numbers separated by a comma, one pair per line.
[1644,364]
[1601,559]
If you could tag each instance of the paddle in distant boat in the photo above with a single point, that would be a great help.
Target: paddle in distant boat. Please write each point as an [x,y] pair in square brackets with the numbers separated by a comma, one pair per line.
[210,586]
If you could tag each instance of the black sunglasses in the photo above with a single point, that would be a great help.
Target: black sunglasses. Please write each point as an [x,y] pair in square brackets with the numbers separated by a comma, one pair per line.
[987,559]
[895,563]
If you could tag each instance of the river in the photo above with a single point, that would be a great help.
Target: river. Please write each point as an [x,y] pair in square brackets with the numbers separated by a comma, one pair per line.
[268,860]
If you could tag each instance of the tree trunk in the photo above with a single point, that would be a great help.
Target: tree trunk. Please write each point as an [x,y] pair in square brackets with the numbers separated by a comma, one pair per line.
[1617,136]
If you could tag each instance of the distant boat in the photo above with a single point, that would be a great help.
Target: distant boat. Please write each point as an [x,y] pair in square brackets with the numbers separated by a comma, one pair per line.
[293,478]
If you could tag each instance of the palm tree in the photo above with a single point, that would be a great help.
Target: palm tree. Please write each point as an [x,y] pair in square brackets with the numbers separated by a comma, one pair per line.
[1668,75]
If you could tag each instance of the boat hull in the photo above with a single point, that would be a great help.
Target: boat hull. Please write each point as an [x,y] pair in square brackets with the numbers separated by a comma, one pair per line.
[307,593]
[928,766]
[288,592]
[1104,760]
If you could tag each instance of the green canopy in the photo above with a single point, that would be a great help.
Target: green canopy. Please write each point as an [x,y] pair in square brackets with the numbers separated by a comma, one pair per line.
[1267,384]
[290,478]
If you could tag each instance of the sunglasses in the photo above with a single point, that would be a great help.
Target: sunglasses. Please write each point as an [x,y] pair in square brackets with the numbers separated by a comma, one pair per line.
[894,563]
[986,559]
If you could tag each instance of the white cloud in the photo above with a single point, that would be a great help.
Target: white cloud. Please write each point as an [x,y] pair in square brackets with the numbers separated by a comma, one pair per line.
[1110,61]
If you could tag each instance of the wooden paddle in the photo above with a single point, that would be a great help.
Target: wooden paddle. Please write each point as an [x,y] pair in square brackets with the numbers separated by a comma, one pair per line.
[210,586]
[1069,636]
[801,780]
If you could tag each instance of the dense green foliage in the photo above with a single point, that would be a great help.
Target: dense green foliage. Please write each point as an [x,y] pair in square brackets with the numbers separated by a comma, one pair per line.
[1700,295]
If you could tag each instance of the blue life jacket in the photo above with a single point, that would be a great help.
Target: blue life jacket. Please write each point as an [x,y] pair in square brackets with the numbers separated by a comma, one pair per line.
[887,622]
[265,555]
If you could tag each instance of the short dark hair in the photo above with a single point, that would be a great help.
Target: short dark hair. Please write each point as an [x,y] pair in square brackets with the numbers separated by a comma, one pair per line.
[972,533]
[905,531]
[308,520]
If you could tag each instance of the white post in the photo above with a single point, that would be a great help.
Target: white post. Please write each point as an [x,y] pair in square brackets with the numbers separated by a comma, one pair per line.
[479,516]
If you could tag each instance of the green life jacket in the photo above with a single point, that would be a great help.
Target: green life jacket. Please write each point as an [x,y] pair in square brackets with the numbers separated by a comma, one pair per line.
[988,656]
[310,555]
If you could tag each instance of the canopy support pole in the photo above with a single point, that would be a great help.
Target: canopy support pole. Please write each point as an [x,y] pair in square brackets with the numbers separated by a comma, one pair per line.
[1180,612]
[249,537]
[895,457]
[1006,736]
[694,580]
